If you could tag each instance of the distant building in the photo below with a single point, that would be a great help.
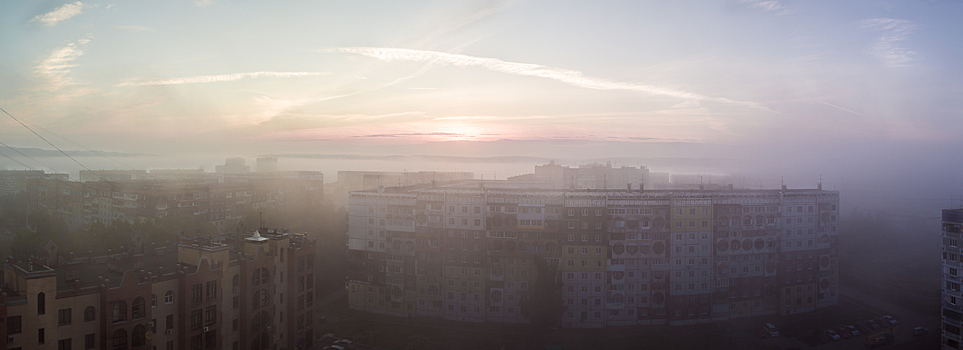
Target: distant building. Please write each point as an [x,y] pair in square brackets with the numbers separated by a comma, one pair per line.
[267,165]
[195,294]
[232,166]
[952,299]
[221,199]
[15,181]
[112,175]
[592,176]
[363,180]
[625,257]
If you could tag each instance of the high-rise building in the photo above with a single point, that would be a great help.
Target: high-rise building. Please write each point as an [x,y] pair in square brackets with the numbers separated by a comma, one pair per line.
[196,294]
[952,299]
[625,257]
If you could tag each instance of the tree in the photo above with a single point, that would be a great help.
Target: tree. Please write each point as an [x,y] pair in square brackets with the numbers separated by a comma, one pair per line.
[544,306]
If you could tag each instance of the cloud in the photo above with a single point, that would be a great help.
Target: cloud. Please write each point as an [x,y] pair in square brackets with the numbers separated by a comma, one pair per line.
[446,134]
[56,66]
[567,76]
[62,13]
[768,6]
[223,77]
[203,3]
[887,48]
[136,28]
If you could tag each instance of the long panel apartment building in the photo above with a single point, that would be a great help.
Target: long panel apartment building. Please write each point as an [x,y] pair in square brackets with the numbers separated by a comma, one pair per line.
[220,201]
[625,257]
[254,291]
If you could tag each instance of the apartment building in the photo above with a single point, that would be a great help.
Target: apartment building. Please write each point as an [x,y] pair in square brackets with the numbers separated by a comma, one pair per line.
[952,298]
[15,181]
[625,257]
[227,293]
[221,201]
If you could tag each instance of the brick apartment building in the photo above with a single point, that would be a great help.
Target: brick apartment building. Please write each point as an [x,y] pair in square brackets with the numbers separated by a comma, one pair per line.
[253,291]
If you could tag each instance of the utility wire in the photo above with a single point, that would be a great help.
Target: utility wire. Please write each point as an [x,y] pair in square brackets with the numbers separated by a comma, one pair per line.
[17,161]
[29,157]
[84,147]
[48,142]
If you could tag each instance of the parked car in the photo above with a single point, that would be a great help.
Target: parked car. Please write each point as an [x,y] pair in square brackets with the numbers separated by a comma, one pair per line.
[345,343]
[761,333]
[872,324]
[884,324]
[842,332]
[852,330]
[333,347]
[890,319]
[771,329]
[861,328]
[918,331]
[831,334]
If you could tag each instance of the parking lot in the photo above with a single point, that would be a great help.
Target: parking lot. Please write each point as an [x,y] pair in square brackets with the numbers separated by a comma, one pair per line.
[862,305]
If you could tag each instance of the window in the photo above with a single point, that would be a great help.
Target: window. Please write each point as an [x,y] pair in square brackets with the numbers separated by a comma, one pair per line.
[89,314]
[64,344]
[196,319]
[211,290]
[153,301]
[169,322]
[41,304]
[210,315]
[40,336]
[138,336]
[137,309]
[169,297]
[90,341]
[13,325]
[63,317]
[197,293]
[120,314]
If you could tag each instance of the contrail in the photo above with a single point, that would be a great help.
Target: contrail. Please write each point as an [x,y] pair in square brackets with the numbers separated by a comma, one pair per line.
[832,105]
[223,77]
[571,77]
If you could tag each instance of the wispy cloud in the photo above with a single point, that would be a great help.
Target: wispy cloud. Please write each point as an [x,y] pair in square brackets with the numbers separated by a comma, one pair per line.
[203,3]
[62,13]
[443,134]
[54,69]
[767,5]
[220,78]
[571,77]
[136,28]
[888,48]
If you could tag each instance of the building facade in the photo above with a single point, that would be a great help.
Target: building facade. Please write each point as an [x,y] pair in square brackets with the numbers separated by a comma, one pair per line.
[952,298]
[15,181]
[591,176]
[221,201]
[197,294]
[625,257]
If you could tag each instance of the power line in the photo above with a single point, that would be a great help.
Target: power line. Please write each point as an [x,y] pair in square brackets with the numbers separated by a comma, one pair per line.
[48,142]
[17,161]
[82,146]
[29,157]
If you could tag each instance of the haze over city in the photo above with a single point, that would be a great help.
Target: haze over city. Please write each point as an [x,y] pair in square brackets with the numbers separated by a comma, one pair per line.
[857,97]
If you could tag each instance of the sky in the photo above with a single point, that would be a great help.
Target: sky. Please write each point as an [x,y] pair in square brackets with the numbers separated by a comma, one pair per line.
[825,85]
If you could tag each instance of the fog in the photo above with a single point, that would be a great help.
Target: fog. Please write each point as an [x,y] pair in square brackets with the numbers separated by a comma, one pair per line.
[859,98]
